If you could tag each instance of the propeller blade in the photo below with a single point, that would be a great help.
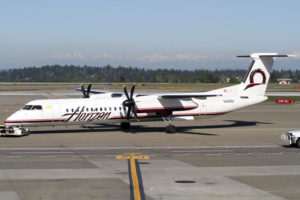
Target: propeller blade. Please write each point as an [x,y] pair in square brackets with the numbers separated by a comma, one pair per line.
[83,91]
[128,113]
[132,91]
[88,90]
[125,92]
[135,115]
[129,103]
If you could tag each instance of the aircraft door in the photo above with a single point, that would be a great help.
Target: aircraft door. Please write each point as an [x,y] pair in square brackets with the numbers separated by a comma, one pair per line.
[55,112]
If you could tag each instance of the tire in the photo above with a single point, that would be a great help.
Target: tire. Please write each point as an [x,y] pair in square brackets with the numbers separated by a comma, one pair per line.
[298,143]
[171,129]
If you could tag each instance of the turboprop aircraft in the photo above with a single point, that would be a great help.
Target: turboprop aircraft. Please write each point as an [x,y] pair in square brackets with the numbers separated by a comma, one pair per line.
[112,107]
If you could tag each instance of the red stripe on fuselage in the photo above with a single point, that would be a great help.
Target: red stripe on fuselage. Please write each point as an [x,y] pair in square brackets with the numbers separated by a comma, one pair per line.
[34,120]
[115,117]
[173,115]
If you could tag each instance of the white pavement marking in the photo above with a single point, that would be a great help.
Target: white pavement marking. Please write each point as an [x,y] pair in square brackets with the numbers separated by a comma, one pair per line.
[41,152]
[9,195]
[122,148]
[212,154]
[201,151]
[254,171]
[46,156]
[8,174]
[12,156]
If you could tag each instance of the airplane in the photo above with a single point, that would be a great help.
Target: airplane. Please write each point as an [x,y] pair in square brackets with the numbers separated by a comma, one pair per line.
[100,107]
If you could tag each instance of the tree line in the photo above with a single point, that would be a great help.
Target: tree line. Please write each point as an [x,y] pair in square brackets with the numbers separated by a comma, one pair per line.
[72,73]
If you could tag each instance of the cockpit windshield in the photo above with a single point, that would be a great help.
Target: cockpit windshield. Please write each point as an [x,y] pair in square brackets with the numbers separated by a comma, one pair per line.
[32,107]
[27,107]
[36,107]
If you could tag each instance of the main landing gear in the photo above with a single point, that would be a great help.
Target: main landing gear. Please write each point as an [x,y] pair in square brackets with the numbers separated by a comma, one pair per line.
[169,128]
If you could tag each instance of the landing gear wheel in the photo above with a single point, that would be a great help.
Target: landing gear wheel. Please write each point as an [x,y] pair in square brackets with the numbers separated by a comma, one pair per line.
[171,129]
[298,143]
[125,125]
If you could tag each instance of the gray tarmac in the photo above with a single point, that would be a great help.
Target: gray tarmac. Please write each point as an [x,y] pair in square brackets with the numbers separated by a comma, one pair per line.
[233,156]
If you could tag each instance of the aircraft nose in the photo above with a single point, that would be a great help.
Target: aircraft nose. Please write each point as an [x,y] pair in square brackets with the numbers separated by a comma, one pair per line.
[13,118]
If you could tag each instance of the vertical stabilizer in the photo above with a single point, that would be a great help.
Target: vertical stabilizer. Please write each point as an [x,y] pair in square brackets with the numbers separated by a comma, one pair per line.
[257,78]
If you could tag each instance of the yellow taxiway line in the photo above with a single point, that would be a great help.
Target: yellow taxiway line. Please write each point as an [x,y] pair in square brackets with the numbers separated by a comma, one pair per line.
[136,184]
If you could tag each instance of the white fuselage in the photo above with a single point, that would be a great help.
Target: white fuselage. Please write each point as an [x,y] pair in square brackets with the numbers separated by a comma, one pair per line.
[105,109]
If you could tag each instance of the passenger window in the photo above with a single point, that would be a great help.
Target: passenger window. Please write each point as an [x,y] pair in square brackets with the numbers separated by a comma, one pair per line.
[87,109]
[120,108]
[110,108]
[36,107]
[115,108]
[67,110]
[101,109]
[104,108]
[96,109]
[72,110]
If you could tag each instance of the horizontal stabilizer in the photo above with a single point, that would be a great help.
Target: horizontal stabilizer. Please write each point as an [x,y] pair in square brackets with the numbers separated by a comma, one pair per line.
[264,55]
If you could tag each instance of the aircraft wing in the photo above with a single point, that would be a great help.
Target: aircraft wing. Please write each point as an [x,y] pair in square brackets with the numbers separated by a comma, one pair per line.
[184,96]
[165,103]
[160,96]
[94,91]
[101,92]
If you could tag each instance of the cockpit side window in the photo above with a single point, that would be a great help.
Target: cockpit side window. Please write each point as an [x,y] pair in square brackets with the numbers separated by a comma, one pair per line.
[36,107]
[27,107]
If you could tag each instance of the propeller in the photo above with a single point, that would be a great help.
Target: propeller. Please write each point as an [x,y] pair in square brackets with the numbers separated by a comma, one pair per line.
[86,93]
[130,103]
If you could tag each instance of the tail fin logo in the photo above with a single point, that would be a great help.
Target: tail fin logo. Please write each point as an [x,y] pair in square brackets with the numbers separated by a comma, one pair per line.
[252,83]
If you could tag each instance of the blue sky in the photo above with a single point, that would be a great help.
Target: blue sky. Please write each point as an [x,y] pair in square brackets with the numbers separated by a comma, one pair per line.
[152,34]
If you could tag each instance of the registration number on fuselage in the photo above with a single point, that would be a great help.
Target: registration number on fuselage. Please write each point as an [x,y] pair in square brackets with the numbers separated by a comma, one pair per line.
[228,101]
